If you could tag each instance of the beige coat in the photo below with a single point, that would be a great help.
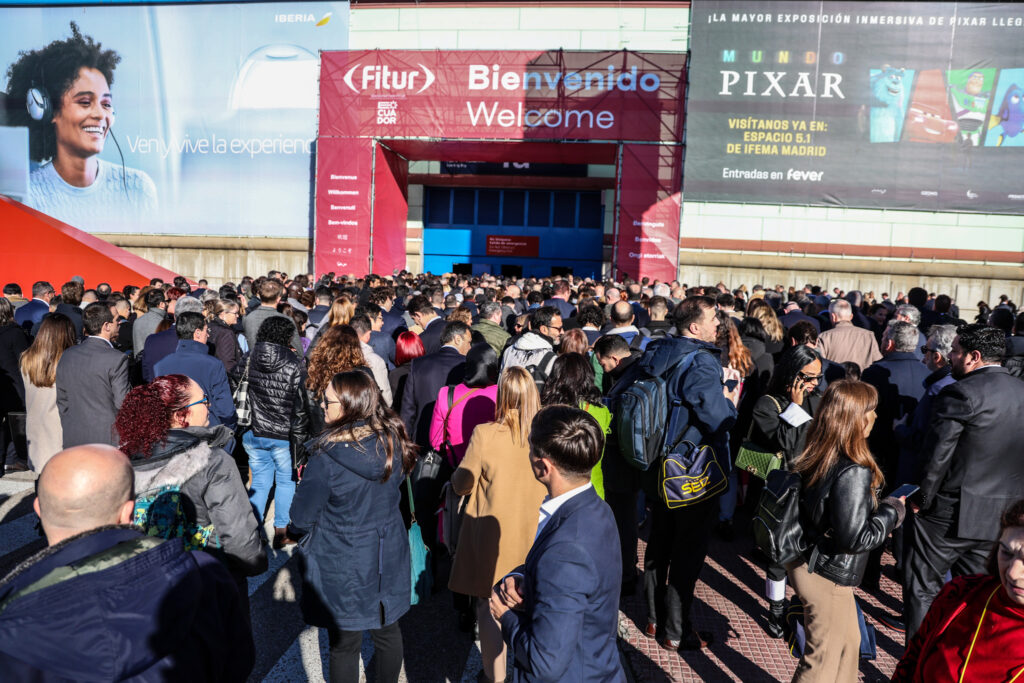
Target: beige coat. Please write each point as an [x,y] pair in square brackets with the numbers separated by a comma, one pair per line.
[501,516]
[42,423]
[847,342]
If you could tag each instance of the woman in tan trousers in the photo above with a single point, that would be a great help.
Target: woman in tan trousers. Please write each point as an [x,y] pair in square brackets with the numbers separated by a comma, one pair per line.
[501,516]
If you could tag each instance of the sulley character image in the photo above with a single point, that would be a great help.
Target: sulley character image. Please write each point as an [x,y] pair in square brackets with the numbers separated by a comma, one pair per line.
[887,104]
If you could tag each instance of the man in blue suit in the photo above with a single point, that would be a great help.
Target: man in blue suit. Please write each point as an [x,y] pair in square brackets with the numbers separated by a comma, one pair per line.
[31,314]
[559,611]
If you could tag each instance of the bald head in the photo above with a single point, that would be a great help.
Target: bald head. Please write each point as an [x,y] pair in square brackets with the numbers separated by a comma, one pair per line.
[621,314]
[84,488]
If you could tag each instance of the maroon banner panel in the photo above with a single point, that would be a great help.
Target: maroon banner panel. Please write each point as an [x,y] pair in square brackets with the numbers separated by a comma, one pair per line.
[649,212]
[541,95]
[513,245]
[390,210]
[344,183]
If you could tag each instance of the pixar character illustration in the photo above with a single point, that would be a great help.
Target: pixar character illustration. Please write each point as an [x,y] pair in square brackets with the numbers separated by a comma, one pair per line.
[889,94]
[1007,121]
[928,117]
[969,92]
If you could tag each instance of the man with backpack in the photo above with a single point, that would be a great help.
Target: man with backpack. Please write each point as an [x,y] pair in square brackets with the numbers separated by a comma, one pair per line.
[535,348]
[701,411]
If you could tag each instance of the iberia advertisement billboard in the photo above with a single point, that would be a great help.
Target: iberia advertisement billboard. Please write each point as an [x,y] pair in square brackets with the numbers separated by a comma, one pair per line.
[864,104]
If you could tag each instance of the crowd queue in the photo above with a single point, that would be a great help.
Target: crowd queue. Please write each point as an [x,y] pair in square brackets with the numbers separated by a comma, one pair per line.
[547,421]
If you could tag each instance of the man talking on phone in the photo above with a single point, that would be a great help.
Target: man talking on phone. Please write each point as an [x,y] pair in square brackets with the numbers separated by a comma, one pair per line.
[559,611]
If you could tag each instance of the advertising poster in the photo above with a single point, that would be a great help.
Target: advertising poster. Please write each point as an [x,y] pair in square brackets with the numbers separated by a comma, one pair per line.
[212,107]
[875,105]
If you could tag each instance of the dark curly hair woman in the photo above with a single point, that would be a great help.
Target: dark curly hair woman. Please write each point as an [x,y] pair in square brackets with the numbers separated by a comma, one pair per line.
[164,428]
[68,134]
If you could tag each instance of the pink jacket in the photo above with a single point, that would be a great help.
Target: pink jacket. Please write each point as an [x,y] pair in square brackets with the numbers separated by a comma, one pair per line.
[470,407]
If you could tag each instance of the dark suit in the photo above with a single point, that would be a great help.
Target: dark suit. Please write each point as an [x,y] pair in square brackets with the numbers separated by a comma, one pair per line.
[973,472]
[74,313]
[568,624]
[899,379]
[193,360]
[427,374]
[794,317]
[29,315]
[92,380]
[431,336]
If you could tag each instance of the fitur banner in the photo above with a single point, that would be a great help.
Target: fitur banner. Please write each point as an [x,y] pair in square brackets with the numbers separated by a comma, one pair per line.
[630,100]
[862,104]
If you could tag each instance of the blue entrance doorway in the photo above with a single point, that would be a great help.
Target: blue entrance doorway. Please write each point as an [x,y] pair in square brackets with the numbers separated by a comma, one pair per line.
[516,232]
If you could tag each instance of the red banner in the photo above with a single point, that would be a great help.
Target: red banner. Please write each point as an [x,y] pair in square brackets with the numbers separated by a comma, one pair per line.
[513,245]
[344,182]
[390,211]
[649,212]
[553,95]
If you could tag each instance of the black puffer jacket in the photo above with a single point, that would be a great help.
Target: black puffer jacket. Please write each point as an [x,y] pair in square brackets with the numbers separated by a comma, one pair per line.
[842,524]
[277,393]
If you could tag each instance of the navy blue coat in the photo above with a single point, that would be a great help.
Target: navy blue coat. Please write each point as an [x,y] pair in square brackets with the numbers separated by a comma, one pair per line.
[355,549]
[794,317]
[193,360]
[899,379]
[711,414]
[161,614]
[31,314]
[158,346]
[567,628]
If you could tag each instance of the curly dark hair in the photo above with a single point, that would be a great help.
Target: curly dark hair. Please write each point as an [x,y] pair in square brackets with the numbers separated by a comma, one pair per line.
[337,350]
[147,411]
[54,67]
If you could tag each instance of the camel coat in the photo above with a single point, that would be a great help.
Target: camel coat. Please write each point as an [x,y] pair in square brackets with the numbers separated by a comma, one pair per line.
[42,424]
[502,513]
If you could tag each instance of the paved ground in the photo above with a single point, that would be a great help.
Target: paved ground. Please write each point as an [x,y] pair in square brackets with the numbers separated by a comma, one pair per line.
[728,604]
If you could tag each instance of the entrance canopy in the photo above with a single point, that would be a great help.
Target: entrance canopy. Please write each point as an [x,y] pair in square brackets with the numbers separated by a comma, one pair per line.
[380,109]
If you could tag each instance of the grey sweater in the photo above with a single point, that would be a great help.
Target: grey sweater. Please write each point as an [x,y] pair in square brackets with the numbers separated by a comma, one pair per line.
[252,321]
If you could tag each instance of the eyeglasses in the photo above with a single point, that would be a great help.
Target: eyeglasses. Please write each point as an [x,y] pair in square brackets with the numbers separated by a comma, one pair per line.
[324,403]
[810,378]
[205,400]
[554,327]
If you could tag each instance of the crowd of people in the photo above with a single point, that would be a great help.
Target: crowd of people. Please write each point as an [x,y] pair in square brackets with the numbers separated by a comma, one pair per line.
[541,419]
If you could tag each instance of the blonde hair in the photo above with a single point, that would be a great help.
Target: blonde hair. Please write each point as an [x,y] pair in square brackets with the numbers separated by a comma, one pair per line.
[140,306]
[518,403]
[39,361]
[341,312]
[762,310]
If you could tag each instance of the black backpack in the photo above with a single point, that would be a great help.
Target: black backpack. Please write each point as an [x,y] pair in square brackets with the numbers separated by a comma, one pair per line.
[776,526]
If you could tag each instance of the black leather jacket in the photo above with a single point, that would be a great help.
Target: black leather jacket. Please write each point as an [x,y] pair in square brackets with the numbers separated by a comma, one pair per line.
[842,524]
[277,393]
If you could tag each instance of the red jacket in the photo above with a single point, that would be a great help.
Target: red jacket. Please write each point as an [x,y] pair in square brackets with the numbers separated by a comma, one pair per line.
[937,651]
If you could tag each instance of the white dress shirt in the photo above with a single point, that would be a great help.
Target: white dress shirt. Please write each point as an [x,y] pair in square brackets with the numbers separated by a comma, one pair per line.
[550,506]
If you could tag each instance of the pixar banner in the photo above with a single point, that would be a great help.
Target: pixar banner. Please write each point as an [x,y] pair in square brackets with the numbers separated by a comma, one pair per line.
[186,119]
[865,104]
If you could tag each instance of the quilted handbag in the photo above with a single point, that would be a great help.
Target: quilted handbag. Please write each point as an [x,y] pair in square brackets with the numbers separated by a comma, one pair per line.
[757,461]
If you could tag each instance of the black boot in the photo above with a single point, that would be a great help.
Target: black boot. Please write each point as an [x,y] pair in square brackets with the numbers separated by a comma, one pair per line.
[776,618]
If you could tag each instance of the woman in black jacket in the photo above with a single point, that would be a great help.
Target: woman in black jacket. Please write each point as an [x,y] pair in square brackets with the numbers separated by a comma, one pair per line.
[13,342]
[280,418]
[353,540]
[221,316]
[842,521]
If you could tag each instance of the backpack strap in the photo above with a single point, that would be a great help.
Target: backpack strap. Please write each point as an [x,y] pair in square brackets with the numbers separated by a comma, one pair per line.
[680,371]
[636,342]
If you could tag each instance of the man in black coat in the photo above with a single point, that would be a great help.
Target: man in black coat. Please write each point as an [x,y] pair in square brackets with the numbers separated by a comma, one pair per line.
[973,470]
[793,315]
[425,315]
[92,380]
[428,374]
[70,298]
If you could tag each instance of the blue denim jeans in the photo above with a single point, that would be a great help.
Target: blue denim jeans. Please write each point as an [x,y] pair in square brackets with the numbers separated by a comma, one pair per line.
[271,462]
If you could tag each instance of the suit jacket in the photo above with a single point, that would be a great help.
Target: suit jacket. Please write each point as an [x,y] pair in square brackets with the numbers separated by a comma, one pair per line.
[29,315]
[569,620]
[427,374]
[899,379]
[92,380]
[74,314]
[845,342]
[193,360]
[431,336]
[794,317]
[158,346]
[972,451]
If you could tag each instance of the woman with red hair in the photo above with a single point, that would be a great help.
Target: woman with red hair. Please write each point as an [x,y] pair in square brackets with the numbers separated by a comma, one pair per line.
[163,427]
[407,346]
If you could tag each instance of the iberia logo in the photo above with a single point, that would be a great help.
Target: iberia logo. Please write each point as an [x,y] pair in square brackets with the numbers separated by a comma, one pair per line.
[304,18]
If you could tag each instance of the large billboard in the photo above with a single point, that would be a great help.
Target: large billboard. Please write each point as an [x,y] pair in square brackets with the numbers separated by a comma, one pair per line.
[195,119]
[863,104]
[630,102]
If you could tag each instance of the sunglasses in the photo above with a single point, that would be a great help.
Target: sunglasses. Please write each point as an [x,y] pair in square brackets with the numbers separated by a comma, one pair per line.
[809,378]
[205,400]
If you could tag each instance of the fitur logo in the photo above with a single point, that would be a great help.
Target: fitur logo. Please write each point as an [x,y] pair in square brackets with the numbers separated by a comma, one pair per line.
[385,78]
[302,19]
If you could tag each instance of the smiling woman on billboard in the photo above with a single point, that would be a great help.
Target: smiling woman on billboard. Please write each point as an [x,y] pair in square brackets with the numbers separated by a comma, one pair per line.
[69,111]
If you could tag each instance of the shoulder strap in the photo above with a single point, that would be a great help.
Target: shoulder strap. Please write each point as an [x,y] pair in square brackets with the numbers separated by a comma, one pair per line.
[774,400]
[683,368]
[451,405]
[636,342]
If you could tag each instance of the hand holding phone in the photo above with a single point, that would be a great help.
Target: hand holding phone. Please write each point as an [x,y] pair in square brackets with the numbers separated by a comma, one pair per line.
[905,491]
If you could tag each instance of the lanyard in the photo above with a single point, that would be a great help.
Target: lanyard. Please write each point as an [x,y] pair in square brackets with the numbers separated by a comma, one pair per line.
[970,651]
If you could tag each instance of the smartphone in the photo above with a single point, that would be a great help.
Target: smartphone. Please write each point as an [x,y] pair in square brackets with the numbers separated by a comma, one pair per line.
[905,491]
[731,384]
